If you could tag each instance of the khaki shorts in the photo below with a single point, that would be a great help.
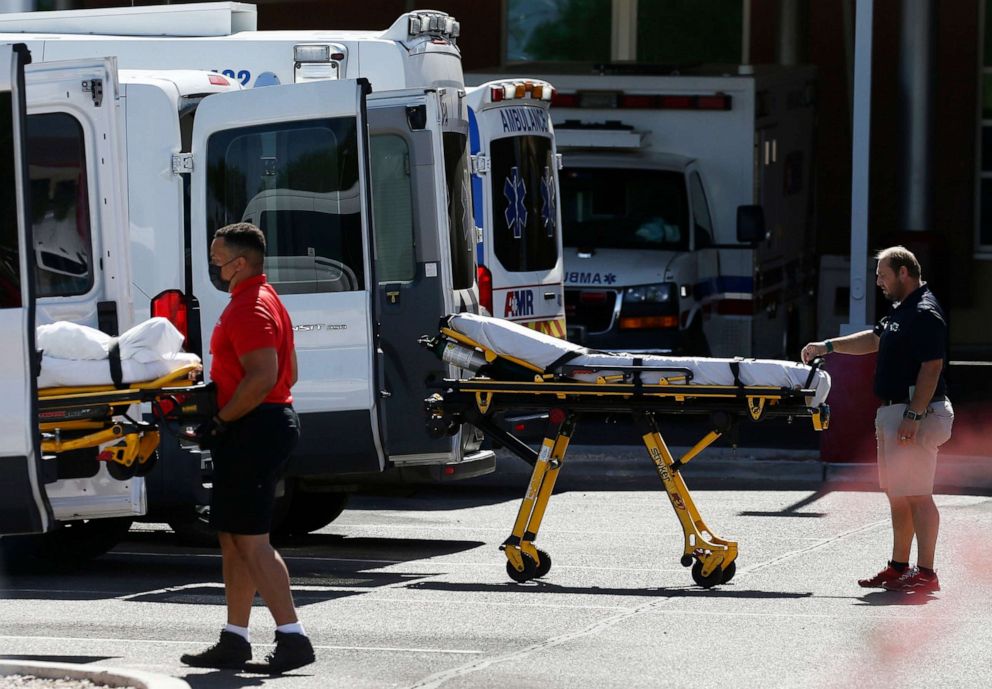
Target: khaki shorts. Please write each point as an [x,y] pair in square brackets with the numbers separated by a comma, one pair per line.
[908,469]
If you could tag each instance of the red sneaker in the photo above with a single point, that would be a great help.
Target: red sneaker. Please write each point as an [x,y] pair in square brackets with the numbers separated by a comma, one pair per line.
[914,580]
[882,578]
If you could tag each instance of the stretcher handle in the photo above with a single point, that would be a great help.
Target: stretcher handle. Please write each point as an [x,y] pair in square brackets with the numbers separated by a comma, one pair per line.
[571,368]
[814,364]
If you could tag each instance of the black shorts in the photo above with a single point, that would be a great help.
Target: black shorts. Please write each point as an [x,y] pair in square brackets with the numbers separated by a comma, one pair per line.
[249,459]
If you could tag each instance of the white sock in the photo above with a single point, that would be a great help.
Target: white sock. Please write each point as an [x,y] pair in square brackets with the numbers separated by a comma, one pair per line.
[240,631]
[293,628]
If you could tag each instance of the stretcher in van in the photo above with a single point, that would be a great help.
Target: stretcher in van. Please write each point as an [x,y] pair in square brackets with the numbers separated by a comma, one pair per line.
[518,369]
[89,382]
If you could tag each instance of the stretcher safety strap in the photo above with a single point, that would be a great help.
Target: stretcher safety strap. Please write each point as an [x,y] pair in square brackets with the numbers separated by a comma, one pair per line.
[114,359]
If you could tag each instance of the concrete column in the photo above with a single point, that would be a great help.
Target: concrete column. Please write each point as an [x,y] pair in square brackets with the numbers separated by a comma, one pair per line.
[860,159]
[793,32]
[623,38]
[917,65]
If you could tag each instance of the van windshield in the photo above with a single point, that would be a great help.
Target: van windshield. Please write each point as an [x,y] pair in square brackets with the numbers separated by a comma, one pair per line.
[525,199]
[610,208]
[459,209]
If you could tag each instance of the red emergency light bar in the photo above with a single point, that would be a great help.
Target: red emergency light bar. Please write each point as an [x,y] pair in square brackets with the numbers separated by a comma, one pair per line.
[637,101]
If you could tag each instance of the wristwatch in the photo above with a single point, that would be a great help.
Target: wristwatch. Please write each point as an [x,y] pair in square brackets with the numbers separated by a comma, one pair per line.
[912,415]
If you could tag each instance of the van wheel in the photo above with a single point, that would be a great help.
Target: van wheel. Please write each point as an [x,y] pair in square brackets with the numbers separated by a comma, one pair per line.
[695,339]
[193,528]
[309,512]
[70,545]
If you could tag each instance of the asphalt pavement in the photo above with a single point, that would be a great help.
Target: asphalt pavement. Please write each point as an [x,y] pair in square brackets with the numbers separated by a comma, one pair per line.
[412,592]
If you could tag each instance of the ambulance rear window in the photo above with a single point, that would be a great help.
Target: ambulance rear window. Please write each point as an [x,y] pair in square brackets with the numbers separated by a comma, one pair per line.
[60,217]
[298,182]
[525,199]
[610,208]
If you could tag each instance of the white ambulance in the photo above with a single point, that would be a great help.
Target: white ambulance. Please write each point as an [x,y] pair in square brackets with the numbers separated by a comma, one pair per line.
[687,207]
[515,203]
[296,159]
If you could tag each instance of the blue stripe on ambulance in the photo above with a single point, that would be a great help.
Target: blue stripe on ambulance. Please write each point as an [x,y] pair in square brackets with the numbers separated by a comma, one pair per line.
[474,148]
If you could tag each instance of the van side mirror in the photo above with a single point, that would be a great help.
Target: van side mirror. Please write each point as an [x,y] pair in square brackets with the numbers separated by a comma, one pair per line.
[751,224]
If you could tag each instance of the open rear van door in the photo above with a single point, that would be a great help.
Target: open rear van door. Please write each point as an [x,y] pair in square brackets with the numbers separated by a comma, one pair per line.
[24,507]
[293,160]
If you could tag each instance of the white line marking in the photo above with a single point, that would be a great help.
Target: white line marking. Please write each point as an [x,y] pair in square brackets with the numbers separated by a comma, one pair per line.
[168,642]
[438,678]
[816,546]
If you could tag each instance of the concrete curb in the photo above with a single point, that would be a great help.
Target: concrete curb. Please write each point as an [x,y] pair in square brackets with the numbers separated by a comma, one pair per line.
[767,465]
[98,674]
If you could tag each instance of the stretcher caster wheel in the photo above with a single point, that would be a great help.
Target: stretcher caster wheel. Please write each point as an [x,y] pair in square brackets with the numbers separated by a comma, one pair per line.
[530,570]
[122,473]
[544,566]
[729,572]
[707,582]
[145,467]
[686,561]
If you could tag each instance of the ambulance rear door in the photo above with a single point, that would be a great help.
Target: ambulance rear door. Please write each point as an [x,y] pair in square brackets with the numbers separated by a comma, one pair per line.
[293,160]
[24,506]
[415,283]
[515,176]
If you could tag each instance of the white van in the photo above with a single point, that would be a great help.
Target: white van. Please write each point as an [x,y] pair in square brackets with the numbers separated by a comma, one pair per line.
[515,202]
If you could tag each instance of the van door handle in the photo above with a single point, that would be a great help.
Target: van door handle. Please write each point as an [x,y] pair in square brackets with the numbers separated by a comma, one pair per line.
[550,295]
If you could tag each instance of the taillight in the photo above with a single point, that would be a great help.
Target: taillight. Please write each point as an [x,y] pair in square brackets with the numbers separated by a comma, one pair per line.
[171,305]
[564,100]
[485,279]
[648,322]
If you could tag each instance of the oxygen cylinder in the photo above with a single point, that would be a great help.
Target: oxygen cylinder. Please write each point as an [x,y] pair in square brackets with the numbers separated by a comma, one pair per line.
[463,357]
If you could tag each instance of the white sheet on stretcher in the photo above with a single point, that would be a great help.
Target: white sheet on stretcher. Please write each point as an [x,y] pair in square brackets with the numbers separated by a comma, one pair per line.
[75,355]
[510,339]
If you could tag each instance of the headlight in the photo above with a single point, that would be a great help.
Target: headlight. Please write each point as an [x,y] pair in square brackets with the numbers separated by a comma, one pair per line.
[650,294]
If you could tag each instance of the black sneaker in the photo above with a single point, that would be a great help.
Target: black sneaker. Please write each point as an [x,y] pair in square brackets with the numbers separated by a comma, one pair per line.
[292,651]
[231,652]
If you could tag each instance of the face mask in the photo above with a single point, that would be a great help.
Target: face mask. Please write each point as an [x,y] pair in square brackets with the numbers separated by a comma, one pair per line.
[214,272]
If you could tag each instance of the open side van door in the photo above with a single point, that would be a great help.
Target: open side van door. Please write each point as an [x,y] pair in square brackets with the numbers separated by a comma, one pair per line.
[293,161]
[415,289]
[24,507]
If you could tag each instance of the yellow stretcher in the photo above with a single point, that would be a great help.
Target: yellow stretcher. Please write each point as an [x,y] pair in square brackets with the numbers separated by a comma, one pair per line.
[95,417]
[506,383]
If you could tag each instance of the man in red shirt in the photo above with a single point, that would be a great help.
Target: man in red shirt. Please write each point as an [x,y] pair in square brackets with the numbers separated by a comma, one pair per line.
[250,439]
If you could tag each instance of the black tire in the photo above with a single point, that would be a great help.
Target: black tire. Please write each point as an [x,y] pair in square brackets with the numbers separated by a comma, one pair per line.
[544,566]
[695,339]
[309,512]
[193,528]
[729,572]
[530,570]
[119,472]
[145,468]
[706,582]
[70,545]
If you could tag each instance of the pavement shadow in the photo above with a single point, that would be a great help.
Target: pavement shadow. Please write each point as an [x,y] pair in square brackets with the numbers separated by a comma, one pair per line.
[79,660]
[222,679]
[194,577]
[890,598]
[545,587]
[793,509]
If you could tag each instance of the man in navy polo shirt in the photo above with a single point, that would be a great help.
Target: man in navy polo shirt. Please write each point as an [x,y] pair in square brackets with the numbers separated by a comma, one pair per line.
[915,416]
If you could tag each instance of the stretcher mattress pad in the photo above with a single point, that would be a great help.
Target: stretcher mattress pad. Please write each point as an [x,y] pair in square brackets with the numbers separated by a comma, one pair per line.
[548,353]
[75,355]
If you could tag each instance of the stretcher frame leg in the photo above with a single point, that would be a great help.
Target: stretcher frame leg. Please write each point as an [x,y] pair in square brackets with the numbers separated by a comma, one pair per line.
[713,555]
[524,560]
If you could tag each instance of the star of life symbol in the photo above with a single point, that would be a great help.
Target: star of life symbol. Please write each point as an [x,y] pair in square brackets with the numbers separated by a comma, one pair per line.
[515,190]
[549,202]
